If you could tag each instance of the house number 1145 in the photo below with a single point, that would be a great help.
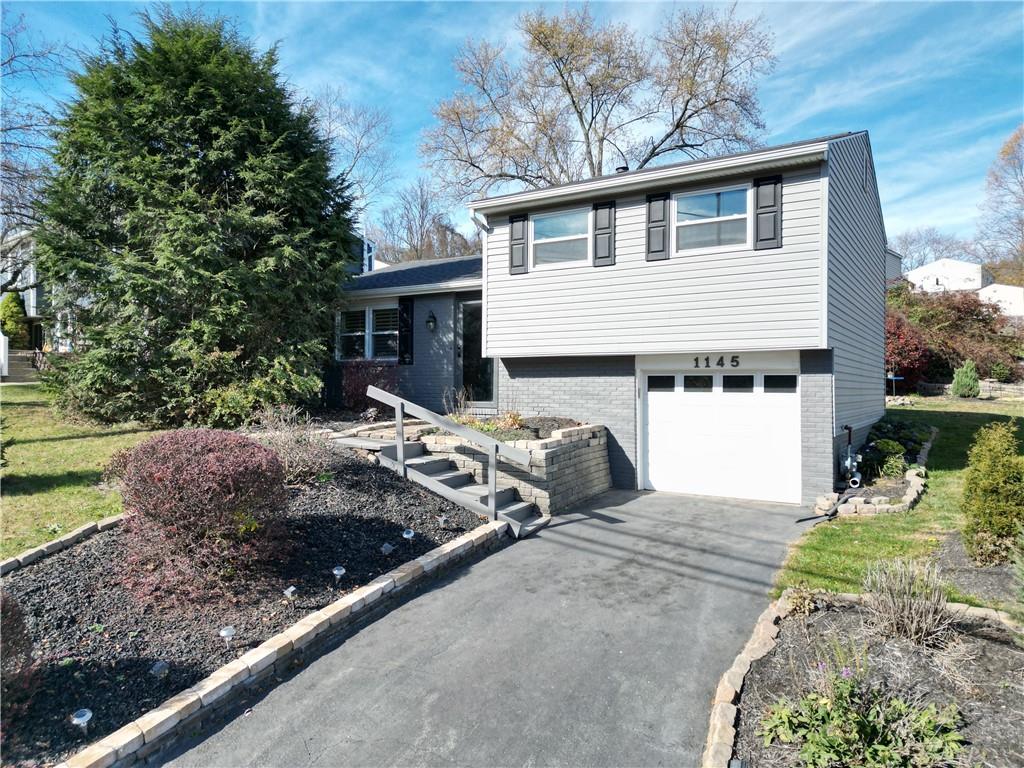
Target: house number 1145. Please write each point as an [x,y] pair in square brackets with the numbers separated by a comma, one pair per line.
[734,362]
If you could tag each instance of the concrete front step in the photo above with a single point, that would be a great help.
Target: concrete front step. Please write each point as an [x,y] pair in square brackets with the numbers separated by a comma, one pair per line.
[412,450]
[522,518]
[453,478]
[429,465]
[479,493]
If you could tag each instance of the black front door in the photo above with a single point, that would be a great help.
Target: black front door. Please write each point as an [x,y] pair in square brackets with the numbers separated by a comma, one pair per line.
[477,371]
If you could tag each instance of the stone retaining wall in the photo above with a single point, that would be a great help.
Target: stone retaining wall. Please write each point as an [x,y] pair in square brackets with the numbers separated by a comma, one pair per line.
[989,388]
[565,469]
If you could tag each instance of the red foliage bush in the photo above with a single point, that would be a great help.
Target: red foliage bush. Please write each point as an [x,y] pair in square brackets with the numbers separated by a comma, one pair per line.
[18,668]
[956,326]
[906,353]
[357,375]
[202,508]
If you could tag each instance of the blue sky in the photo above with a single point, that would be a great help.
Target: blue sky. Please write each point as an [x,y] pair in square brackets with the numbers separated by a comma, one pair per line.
[940,86]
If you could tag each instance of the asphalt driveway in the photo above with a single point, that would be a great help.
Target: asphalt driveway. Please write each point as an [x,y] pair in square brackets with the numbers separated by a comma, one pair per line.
[598,642]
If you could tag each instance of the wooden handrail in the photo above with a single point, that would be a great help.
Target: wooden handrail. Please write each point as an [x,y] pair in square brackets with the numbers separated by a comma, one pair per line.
[504,450]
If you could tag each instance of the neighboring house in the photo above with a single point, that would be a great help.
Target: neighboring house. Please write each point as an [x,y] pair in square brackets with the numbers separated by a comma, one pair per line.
[1009,298]
[724,318]
[19,249]
[949,275]
[893,266]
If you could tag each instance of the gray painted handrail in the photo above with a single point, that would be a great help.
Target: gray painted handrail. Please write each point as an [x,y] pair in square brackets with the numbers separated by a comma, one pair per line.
[506,451]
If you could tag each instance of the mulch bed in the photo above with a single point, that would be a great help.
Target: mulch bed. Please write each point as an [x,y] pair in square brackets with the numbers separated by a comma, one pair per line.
[543,426]
[892,487]
[97,642]
[986,683]
[991,582]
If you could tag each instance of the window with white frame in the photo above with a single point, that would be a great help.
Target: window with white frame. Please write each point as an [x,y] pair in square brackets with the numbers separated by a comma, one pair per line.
[561,237]
[711,219]
[369,333]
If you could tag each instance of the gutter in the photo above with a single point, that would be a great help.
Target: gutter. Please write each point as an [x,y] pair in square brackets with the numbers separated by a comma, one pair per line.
[647,178]
[414,290]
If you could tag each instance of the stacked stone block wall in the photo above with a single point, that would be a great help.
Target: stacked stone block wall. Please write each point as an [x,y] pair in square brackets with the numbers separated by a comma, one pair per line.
[565,469]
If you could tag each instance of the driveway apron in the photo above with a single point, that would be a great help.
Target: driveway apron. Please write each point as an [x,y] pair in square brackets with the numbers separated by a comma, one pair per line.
[597,642]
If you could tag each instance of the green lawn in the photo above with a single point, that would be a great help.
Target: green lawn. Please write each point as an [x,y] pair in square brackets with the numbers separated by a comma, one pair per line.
[835,555]
[49,486]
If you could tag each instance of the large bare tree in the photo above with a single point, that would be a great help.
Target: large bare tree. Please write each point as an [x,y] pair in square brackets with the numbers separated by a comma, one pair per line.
[417,227]
[1001,231]
[583,97]
[27,63]
[361,139]
[926,244]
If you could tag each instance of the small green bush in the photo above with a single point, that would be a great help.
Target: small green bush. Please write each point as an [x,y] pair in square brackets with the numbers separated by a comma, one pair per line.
[890,447]
[13,320]
[993,499]
[965,381]
[1002,371]
[845,721]
[894,466]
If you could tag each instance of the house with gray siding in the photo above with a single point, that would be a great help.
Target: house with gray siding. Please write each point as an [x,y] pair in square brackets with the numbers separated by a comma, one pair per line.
[722,317]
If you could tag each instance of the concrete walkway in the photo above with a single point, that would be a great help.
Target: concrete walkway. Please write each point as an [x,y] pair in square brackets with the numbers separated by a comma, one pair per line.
[597,642]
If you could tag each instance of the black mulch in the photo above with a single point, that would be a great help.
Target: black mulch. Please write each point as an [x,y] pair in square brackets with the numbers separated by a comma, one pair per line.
[97,642]
[988,693]
[543,426]
[991,582]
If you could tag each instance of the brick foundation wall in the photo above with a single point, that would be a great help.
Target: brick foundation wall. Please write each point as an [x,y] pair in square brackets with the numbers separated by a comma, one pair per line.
[599,390]
[565,469]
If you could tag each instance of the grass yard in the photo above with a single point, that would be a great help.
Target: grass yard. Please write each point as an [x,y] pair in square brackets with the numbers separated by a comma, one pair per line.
[50,484]
[834,556]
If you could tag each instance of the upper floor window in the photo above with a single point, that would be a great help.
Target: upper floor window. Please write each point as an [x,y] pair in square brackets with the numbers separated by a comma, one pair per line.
[711,219]
[369,333]
[561,237]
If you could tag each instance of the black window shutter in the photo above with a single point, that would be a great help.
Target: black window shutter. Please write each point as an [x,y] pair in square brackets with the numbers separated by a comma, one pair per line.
[517,245]
[768,213]
[604,234]
[405,329]
[657,227]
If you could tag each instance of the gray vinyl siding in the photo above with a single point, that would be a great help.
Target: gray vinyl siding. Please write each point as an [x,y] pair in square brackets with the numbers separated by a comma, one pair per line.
[732,300]
[856,285]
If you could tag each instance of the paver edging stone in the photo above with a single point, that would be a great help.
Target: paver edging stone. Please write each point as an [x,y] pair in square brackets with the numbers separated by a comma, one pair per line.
[725,706]
[862,506]
[59,544]
[155,730]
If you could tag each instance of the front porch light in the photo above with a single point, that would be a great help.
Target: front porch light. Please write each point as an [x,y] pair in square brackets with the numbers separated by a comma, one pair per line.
[431,322]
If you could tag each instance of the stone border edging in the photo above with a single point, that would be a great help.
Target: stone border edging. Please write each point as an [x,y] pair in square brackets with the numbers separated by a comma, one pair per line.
[721,738]
[67,540]
[876,505]
[157,728]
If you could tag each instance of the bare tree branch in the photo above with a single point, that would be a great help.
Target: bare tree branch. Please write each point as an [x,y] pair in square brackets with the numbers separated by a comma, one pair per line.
[416,227]
[583,92]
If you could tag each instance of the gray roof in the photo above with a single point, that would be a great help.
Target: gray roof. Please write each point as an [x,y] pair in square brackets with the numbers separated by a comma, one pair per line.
[420,273]
[681,164]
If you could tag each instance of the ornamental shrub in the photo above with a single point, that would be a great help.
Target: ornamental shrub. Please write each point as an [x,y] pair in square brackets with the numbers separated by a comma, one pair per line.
[906,352]
[18,668]
[894,466]
[203,509]
[13,320]
[965,381]
[906,600]
[993,500]
[1002,372]
[302,448]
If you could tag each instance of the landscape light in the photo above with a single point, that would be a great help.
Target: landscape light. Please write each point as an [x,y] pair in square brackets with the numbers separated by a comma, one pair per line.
[227,633]
[81,718]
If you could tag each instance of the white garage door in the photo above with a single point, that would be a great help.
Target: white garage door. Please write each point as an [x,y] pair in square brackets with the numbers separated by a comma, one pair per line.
[720,434]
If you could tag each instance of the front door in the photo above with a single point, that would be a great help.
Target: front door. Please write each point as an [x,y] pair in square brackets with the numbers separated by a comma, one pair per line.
[476,371]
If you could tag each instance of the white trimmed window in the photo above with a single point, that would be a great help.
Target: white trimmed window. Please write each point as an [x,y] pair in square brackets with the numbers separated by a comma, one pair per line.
[712,219]
[369,333]
[561,237]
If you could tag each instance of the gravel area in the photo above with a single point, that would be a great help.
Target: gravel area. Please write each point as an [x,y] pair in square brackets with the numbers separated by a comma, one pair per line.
[991,582]
[984,677]
[97,642]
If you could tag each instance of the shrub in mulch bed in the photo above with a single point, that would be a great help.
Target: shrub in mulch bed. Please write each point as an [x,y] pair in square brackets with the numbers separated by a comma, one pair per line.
[96,641]
[836,691]
[993,500]
[202,509]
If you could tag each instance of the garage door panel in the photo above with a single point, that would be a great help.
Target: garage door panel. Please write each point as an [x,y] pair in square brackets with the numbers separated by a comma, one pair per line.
[737,444]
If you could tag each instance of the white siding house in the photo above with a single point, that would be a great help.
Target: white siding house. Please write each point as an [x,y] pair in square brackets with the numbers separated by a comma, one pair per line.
[723,317]
[1009,298]
[949,275]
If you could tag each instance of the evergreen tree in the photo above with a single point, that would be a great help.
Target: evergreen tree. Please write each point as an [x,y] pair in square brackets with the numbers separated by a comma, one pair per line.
[13,320]
[194,224]
[965,381]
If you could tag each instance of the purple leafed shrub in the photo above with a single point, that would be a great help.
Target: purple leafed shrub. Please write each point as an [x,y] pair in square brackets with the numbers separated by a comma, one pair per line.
[202,510]
[18,678]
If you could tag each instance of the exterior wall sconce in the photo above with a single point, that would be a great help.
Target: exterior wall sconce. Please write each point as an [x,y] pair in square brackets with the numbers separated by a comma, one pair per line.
[431,322]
